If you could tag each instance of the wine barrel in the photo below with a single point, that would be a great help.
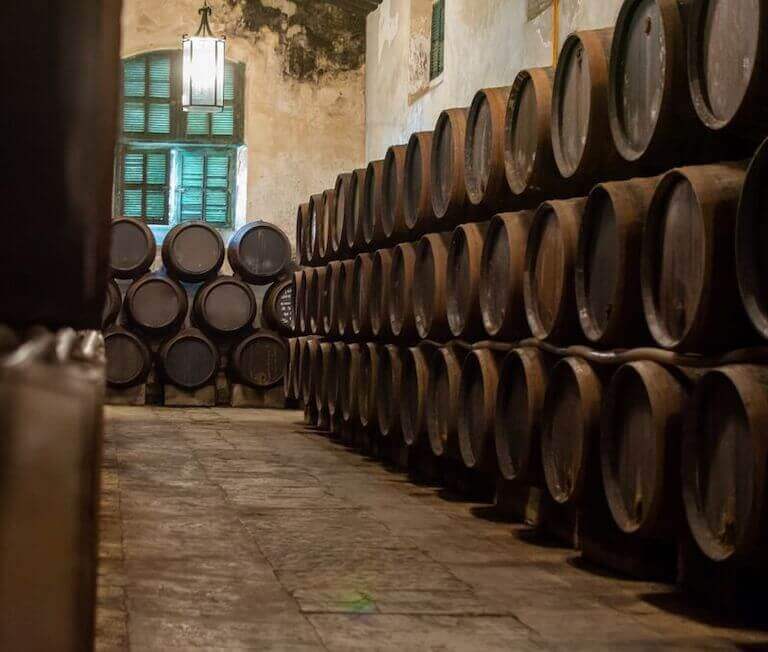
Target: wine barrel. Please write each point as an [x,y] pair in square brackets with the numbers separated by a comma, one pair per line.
[443,397]
[330,299]
[640,448]
[548,281]
[417,187]
[193,252]
[368,388]
[259,253]
[414,394]
[314,300]
[343,298]
[402,321]
[360,296]
[133,248]
[502,266]
[156,304]
[301,302]
[349,382]
[449,191]
[392,213]
[341,207]
[302,233]
[752,240]
[312,243]
[380,293]
[484,173]
[529,161]
[523,378]
[571,430]
[333,379]
[649,108]
[112,305]
[189,359]
[608,297]
[429,293]
[390,374]
[688,276]
[309,352]
[727,48]
[322,372]
[477,398]
[128,358]
[354,214]
[289,384]
[581,138]
[224,306]
[724,462]
[463,280]
[260,360]
[327,225]
[277,309]
[373,227]
[324,300]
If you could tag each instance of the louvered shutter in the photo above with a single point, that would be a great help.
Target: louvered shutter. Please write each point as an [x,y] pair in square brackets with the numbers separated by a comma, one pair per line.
[147,106]
[144,192]
[437,45]
[216,126]
[206,186]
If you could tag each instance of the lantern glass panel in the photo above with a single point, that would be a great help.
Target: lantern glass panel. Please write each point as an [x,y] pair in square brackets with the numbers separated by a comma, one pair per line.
[203,74]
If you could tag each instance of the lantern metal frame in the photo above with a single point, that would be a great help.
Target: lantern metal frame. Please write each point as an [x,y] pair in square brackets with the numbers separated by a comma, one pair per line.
[215,50]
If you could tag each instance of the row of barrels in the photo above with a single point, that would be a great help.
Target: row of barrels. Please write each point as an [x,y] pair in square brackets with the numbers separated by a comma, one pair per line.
[671,84]
[659,445]
[672,260]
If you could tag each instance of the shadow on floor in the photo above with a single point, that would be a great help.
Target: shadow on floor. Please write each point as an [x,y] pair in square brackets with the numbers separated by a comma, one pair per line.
[752,615]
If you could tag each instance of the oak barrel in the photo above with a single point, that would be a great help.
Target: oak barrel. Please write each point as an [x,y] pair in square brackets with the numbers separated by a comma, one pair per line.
[259,360]
[403,281]
[259,253]
[443,396]
[301,302]
[133,248]
[429,293]
[342,206]
[368,388]
[390,374]
[349,382]
[322,375]
[156,304]
[333,379]
[302,233]
[392,213]
[414,394]
[289,384]
[277,307]
[380,293]
[463,280]
[354,214]
[113,304]
[477,398]
[314,300]
[449,191]
[193,252]
[128,358]
[190,360]
[360,295]
[327,226]
[312,242]
[372,208]
[342,299]
[324,324]
[309,352]
[331,298]
[224,306]
[417,185]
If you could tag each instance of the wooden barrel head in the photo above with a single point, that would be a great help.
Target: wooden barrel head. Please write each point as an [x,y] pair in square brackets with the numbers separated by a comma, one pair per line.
[313,228]
[193,252]
[360,295]
[354,226]
[344,298]
[225,306]
[429,294]
[400,307]
[316,288]
[443,398]
[133,248]
[545,272]
[463,280]
[442,164]
[302,226]
[477,398]
[156,303]
[260,360]
[414,387]
[327,224]
[368,386]
[341,207]
[128,359]
[417,194]
[189,360]
[379,297]
[349,380]
[479,152]
[388,390]
[392,220]
[112,305]
[259,252]
[309,353]
[522,132]
[372,203]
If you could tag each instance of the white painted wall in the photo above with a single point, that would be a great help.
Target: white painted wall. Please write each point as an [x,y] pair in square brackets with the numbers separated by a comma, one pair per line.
[486,43]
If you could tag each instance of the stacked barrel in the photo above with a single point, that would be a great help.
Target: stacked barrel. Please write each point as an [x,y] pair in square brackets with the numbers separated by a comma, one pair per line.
[535,290]
[187,324]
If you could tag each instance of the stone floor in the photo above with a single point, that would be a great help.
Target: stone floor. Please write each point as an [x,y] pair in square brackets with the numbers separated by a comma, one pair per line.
[239,529]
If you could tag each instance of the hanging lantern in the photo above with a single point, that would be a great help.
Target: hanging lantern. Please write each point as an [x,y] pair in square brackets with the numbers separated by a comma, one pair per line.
[203,68]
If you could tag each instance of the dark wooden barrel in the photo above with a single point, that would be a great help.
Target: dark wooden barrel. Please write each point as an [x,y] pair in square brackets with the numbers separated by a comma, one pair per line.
[373,227]
[342,299]
[548,281]
[530,166]
[581,138]
[463,280]
[354,214]
[349,382]
[133,248]
[443,395]
[341,207]
[259,253]
[417,185]
[190,360]
[331,298]
[314,299]
[449,191]
[289,385]
[324,301]
[752,241]
[128,358]
[502,266]
[312,242]
[477,398]
[390,375]
[193,252]
[724,462]
[484,173]
[571,430]
[322,372]
[650,110]
[688,275]
[429,293]
[277,309]
[368,388]
[392,213]
[113,304]
[333,378]
[224,306]
[380,293]
[302,233]
[296,377]
[360,296]
[400,313]
[156,304]
[414,393]
[523,378]
[327,225]
[727,69]
[309,352]
[640,448]
[260,360]
[608,297]
[301,302]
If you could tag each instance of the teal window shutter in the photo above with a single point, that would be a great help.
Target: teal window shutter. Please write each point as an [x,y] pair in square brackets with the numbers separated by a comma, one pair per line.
[206,186]
[144,185]
[437,44]
[147,96]
[217,126]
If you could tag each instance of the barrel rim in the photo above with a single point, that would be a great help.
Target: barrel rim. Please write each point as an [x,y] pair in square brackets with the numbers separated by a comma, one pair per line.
[143,372]
[149,257]
[175,268]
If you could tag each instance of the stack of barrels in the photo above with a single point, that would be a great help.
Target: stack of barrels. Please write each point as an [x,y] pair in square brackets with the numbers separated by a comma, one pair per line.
[187,324]
[547,289]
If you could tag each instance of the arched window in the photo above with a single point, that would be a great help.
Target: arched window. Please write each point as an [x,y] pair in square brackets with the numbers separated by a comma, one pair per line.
[173,166]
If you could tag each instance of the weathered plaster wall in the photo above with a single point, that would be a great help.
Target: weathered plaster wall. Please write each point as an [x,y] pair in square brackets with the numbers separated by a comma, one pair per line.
[486,43]
[304,106]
